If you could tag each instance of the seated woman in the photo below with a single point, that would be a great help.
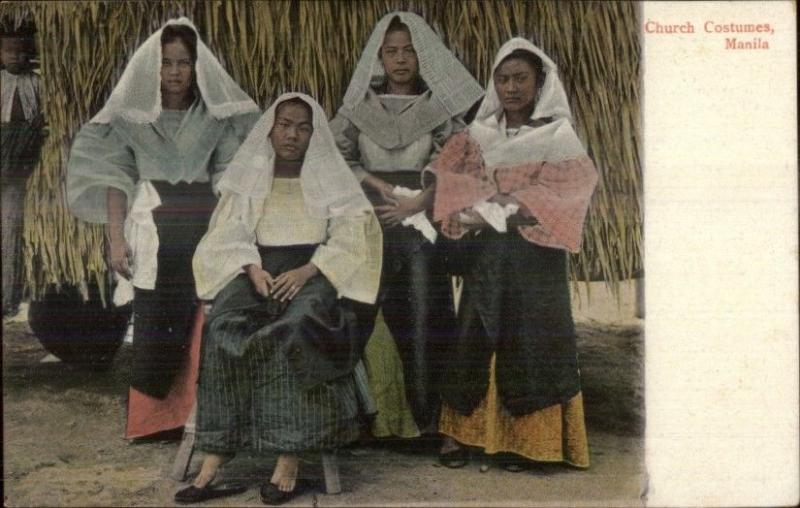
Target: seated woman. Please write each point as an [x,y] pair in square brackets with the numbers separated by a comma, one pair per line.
[291,242]
[512,384]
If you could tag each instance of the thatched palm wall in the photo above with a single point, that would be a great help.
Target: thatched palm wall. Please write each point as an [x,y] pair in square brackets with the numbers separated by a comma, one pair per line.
[271,47]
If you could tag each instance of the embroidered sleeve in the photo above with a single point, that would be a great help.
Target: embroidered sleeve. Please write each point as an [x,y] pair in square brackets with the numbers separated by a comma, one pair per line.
[99,159]
[346,135]
[351,257]
[235,132]
[229,244]
[443,132]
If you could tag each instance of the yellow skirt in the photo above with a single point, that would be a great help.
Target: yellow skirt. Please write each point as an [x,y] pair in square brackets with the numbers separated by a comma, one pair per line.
[553,434]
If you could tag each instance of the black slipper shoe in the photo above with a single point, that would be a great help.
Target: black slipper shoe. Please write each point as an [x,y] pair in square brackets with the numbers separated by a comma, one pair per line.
[512,463]
[513,467]
[192,494]
[455,459]
[272,495]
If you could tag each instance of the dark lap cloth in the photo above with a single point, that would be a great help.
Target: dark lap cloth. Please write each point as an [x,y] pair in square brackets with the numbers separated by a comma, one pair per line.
[417,303]
[163,316]
[515,303]
[276,379]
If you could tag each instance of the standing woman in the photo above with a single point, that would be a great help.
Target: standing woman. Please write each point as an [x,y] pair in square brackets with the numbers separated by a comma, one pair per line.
[146,166]
[405,99]
[514,188]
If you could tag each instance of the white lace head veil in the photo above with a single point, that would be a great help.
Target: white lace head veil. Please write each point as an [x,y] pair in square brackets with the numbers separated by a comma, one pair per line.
[329,187]
[449,81]
[552,100]
[137,95]
[555,140]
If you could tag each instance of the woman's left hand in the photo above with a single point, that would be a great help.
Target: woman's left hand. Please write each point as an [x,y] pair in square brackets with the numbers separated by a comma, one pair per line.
[504,199]
[393,215]
[471,220]
[288,284]
[522,218]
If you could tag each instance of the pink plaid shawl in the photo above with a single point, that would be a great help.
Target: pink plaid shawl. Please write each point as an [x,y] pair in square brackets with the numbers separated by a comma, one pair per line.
[556,194]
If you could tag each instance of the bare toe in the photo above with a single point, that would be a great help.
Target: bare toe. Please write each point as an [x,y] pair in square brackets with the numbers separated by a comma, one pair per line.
[287,484]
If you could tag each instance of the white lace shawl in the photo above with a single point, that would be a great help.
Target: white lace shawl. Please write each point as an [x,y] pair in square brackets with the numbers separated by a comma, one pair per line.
[329,187]
[137,95]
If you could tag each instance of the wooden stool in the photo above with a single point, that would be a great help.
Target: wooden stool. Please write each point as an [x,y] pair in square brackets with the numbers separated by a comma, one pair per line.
[183,458]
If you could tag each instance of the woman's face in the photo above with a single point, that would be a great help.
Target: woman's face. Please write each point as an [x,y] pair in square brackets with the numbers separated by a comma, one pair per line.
[515,81]
[399,57]
[291,132]
[177,68]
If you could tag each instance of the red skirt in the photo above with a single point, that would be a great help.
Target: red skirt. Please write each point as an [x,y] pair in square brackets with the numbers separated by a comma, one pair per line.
[149,415]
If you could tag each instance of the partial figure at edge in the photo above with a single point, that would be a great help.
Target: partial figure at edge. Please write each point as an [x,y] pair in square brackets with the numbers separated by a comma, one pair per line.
[20,144]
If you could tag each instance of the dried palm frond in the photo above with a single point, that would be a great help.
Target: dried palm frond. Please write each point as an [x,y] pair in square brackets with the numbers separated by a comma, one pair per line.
[313,46]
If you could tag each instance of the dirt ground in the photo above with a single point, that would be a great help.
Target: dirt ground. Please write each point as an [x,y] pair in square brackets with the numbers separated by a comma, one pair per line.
[63,441]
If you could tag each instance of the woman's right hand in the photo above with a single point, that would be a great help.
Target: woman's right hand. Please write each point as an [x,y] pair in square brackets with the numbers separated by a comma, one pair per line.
[120,255]
[384,189]
[115,229]
[261,279]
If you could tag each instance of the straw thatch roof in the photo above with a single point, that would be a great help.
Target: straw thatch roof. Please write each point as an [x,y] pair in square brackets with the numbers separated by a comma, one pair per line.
[312,46]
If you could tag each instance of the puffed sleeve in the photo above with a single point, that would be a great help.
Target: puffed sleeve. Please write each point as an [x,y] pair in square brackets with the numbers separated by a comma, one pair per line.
[443,132]
[346,135]
[229,244]
[352,255]
[99,159]
[235,132]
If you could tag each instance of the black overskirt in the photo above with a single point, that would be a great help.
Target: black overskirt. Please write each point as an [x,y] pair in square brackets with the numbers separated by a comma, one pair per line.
[416,299]
[163,316]
[515,303]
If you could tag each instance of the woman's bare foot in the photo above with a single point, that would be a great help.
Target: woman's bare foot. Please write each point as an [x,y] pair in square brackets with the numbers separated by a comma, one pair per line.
[208,471]
[285,474]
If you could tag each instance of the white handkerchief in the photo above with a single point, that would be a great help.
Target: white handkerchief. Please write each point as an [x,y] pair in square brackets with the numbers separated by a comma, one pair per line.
[496,215]
[419,220]
[123,293]
[142,237]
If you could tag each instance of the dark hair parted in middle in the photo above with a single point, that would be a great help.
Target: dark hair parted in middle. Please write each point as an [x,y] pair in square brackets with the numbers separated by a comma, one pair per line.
[299,102]
[182,33]
[531,59]
[397,25]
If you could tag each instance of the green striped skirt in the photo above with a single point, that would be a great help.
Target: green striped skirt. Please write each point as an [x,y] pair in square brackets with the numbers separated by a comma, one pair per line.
[280,380]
